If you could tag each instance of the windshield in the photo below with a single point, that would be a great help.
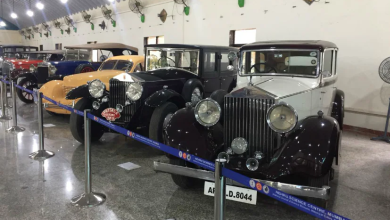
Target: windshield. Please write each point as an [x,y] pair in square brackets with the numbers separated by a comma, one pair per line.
[36,56]
[286,62]
[72,55]
[116,65]
[187,59]
[12,55]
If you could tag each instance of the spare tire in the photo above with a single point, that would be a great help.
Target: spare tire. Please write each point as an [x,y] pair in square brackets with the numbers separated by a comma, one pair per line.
[190,87]
[84,68]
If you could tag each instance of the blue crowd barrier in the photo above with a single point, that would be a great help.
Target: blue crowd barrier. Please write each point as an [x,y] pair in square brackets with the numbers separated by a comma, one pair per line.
[293,201]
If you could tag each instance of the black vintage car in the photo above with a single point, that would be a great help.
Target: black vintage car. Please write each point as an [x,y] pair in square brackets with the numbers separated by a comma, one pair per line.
[281,124]
[174,74]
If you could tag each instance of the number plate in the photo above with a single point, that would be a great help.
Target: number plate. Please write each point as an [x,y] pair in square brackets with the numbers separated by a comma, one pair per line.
[237,194]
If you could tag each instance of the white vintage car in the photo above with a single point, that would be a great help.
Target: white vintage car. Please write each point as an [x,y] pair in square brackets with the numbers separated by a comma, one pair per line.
[281,124]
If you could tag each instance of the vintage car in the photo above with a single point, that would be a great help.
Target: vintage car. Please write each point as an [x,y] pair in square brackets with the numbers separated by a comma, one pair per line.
[81,59]
[12,52]
[282,123]
[174,74]
[57,89]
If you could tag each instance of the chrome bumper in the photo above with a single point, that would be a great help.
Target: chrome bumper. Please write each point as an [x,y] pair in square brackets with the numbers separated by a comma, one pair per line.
[297,190]
[51,105]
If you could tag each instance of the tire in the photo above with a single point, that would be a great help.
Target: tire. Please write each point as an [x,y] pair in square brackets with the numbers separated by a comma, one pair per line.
[157,120]
[183,181]
[319,182]
[25,96]
[77,123]
[188,89]
[84,68]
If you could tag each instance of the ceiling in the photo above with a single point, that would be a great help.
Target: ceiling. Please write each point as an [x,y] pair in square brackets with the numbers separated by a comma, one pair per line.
[53,9]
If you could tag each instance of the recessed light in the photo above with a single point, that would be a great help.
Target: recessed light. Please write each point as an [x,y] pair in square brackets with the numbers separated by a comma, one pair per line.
[30,13]
[39,5]
[14,15]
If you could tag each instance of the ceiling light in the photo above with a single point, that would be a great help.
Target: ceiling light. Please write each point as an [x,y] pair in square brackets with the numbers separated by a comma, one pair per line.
[30,13]
[111,1]
[39,5]
[14,15]
[64,1]
[2,24]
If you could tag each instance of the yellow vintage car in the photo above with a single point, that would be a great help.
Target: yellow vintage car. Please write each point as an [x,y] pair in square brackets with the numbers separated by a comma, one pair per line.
[57,89]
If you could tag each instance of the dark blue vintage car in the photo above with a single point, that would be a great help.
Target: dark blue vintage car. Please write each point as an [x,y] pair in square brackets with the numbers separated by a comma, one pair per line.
[77,59]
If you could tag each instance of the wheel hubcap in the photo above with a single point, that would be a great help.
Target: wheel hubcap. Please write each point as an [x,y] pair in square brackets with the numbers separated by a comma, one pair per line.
[196,96]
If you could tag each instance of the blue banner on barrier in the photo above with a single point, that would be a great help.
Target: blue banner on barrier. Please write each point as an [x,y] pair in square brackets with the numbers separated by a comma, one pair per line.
[251,183]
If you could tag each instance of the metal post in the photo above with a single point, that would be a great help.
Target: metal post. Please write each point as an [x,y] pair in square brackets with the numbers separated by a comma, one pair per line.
[6,104]
[384,137]
[15,128]
[220,190]
[41,154]
[89,198]
[3,92]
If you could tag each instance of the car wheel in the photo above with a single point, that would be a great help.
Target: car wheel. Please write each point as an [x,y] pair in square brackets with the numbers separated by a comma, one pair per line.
[192,91]
[84,68]
[77,123]
[184,181]
[160,118]
[319,182]
[23,95]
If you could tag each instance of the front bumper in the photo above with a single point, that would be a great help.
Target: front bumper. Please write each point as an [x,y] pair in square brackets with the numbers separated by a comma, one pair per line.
[297,190]
[57,109]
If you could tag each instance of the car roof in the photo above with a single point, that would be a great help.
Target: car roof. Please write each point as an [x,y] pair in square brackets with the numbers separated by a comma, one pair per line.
[17,45]
[45,52]
[309,44]
[192,46]
[108,46]
[134,58]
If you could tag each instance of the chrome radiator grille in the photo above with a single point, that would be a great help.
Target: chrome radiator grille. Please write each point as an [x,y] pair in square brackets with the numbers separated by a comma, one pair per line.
[118,96]
[246,118]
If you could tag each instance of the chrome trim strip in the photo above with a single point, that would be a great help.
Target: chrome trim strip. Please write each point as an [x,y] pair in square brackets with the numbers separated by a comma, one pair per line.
[297,190]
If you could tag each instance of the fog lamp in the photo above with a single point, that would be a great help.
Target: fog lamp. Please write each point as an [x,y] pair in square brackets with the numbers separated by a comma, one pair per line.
[252,164]
[96,105]
[239,145]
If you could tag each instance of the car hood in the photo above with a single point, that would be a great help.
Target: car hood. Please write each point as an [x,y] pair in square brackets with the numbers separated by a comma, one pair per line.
[157,75]
[283,86]
[82,78]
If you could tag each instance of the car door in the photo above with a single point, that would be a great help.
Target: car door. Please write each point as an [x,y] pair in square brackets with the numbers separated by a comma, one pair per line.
[227,77]
[210,72]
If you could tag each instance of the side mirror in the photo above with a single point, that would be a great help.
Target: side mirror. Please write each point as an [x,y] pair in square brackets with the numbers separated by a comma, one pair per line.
[232,56]
[326,74]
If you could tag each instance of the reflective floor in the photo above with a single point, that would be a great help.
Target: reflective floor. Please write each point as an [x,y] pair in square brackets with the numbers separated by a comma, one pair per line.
[43,190]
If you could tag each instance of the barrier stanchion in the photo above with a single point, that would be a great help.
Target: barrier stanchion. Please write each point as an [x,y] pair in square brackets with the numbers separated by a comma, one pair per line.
[6,104]
[41,154]
[220,190]
[89,198]
[15,128]
[3,106]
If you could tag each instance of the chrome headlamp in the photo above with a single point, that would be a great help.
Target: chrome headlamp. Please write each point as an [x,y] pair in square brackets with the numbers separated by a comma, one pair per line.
[33,68]
[207,112]
[282,118]
[52,69]
[134,91]
[96,88]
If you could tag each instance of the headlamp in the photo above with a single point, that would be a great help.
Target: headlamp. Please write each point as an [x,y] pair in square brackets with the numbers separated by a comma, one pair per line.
[96,88]
[207,112]
[282,118]
[134,91]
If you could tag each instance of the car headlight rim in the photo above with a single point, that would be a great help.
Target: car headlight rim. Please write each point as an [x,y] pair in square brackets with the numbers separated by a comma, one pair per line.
[100,91]
[139,89]
[198,117]
[282,104]
[52,69]
[32,68]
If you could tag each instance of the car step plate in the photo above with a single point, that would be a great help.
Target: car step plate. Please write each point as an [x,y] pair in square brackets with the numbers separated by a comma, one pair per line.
[234,193]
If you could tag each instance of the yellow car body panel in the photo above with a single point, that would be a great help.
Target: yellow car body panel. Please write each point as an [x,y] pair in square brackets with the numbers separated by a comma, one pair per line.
[57,89]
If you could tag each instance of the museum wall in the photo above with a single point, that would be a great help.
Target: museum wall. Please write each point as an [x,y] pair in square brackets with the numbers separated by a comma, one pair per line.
[359,28]
[10,37]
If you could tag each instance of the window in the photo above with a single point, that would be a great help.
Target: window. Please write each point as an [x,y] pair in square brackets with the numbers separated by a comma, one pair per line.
[328,61]
[59,46]
[77,55]
[138,68]
[41,47]
[101,55]
[209,62]
[225,62]
[154,40]
[123,65]
[239,38]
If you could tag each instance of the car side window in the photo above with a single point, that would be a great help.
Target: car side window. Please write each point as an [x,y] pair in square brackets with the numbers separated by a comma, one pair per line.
[138,68]
[225,62]
[328,61]
[108,65]
[209,61]
[123,65]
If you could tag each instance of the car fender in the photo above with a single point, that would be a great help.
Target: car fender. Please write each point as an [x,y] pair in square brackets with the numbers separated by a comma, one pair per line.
[184,133]
[309,150]
[160,97]
[53,89]
[29,76]
[78,92]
